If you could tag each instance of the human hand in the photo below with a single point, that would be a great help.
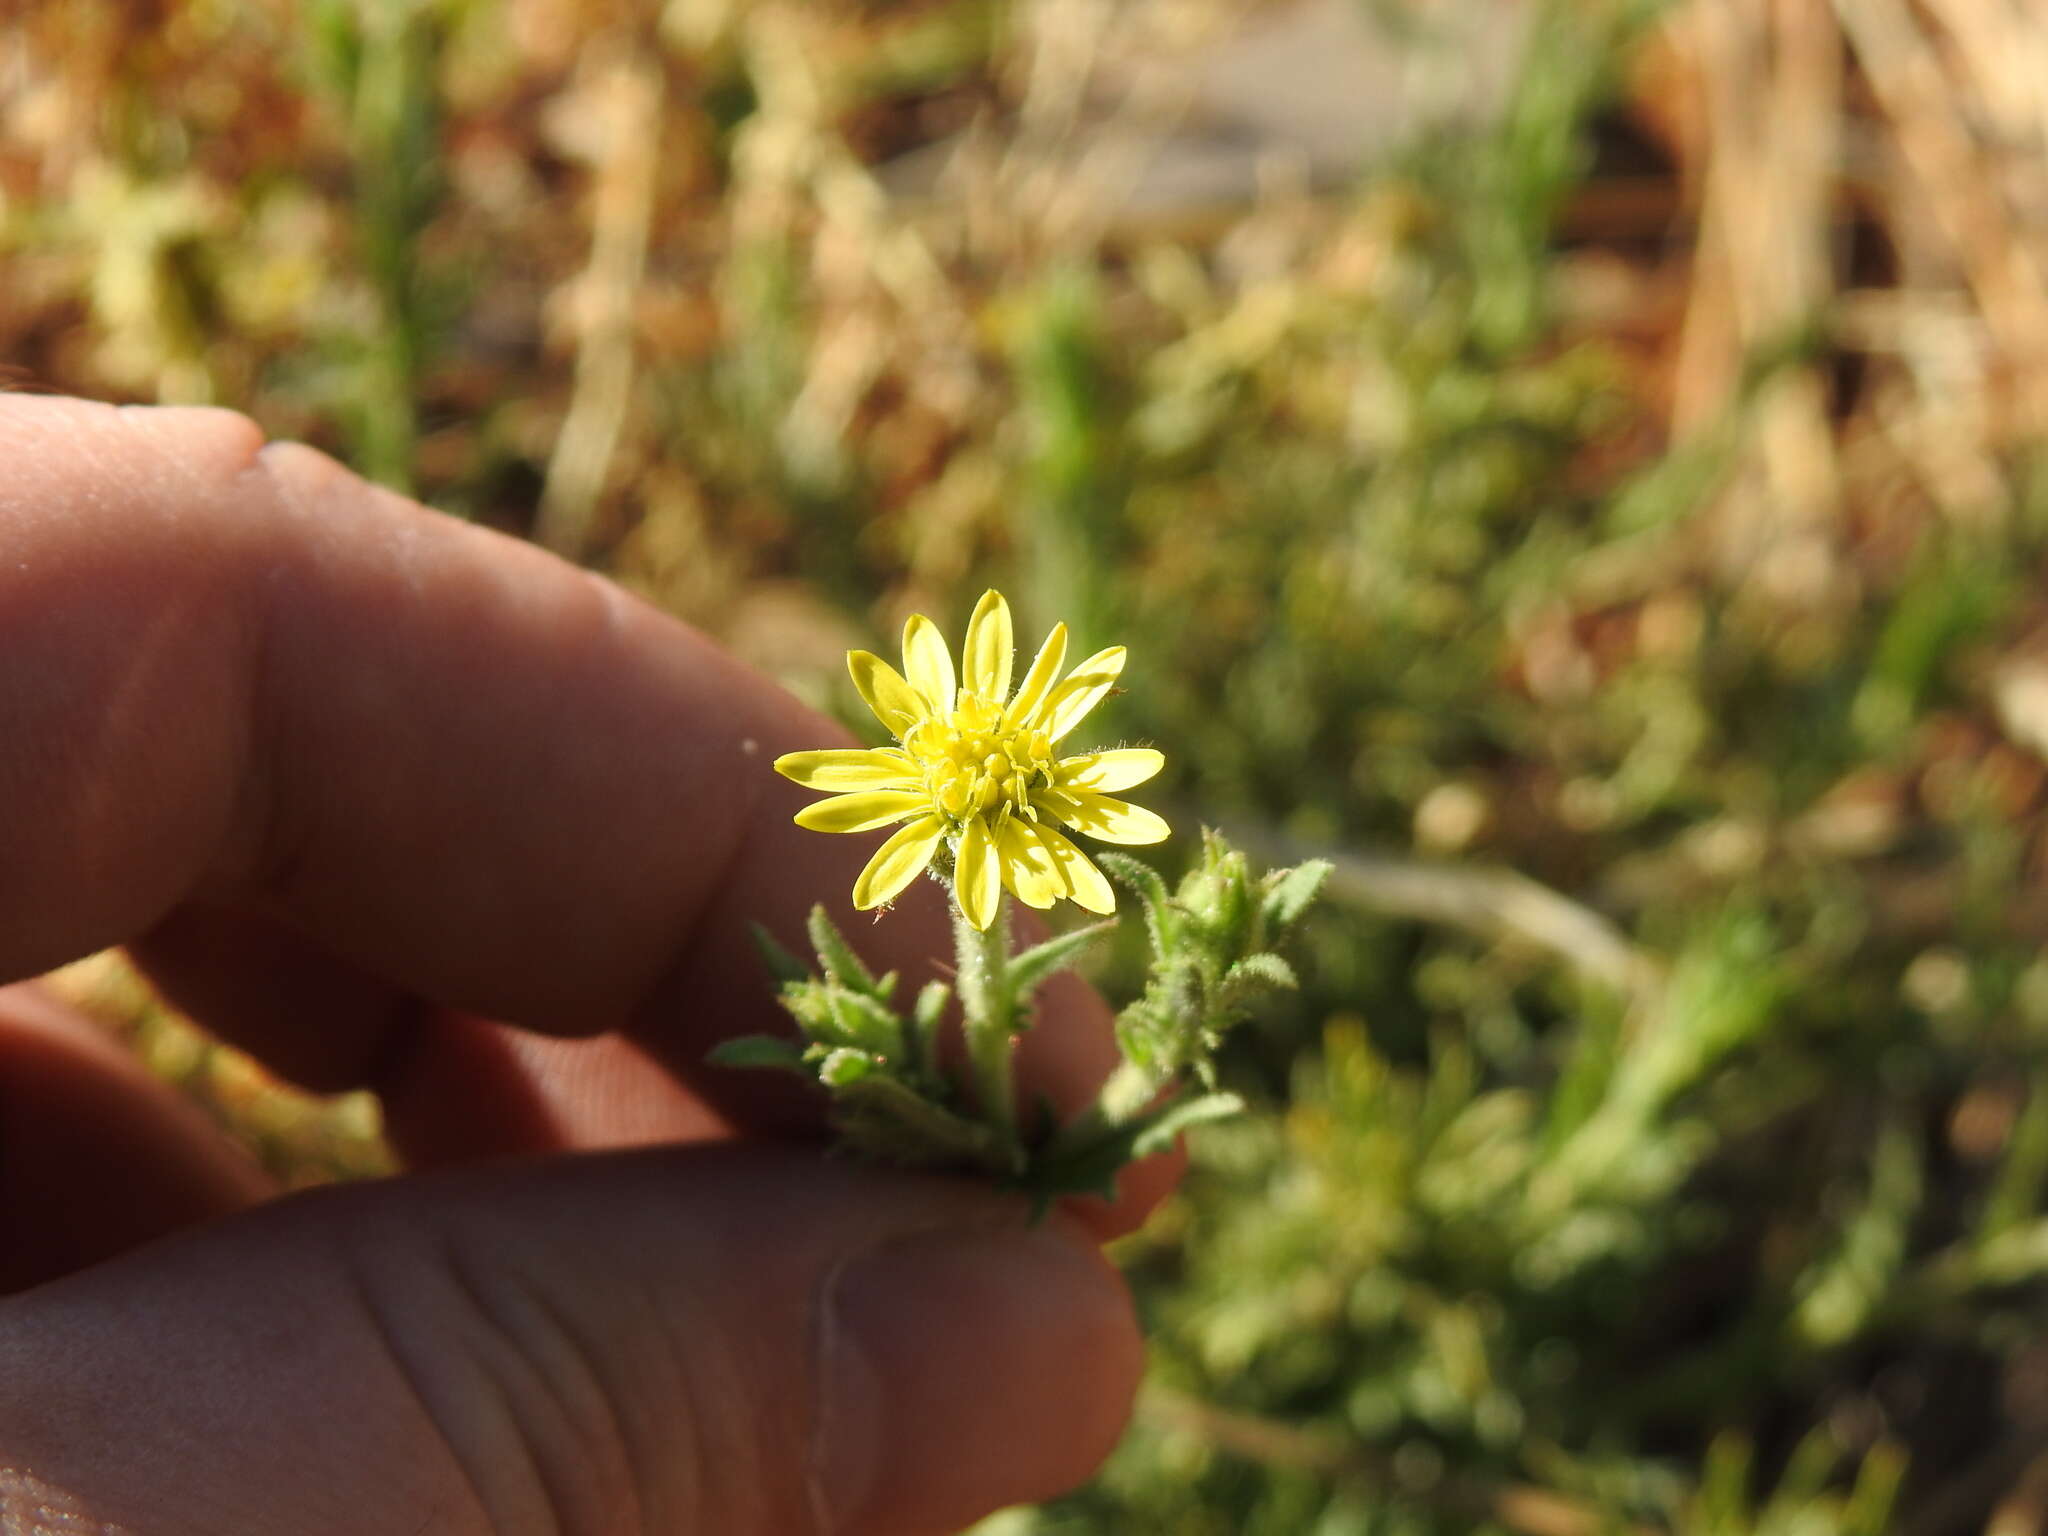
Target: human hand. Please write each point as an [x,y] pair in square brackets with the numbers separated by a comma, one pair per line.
[352,781]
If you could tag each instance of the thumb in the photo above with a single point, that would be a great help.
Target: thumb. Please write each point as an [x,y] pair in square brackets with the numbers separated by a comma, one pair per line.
[730,1340]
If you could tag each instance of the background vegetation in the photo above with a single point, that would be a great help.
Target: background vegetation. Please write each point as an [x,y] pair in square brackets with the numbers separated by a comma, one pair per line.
[1607,525]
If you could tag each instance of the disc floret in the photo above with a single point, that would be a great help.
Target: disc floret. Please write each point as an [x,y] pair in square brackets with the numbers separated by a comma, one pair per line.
[977,763]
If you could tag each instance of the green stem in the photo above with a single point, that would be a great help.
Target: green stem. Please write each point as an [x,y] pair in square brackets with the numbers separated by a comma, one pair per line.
[1128,1093]
[941,1138]
[988,1010]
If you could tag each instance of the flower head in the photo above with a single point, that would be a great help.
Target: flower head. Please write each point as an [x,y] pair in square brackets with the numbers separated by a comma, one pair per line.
[976,767]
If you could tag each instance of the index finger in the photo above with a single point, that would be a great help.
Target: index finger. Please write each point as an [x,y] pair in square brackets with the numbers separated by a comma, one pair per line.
[238,675]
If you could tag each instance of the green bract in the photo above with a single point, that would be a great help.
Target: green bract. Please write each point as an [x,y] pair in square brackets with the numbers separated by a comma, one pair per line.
[1212,952]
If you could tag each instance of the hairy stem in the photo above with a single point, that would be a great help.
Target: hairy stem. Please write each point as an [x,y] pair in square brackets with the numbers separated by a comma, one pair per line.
[894,1117]
[988,1017]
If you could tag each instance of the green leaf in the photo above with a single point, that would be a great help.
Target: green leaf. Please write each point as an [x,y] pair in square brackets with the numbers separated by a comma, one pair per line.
[932,998]
[861,1021]
[845,1067]
[1840,1295]
[1216,892]
[781,964]
[888,1119]
[2016,1189]
[1876,1493]
[810,1004]
[1144,880]
[837,956]
[1091,1168]
[1135,873]
[760,1051]
[1952,594]
[1260,971]
[1029,969]
[1289,892]
[926,1019]
[1157,1133]
[1805,1477]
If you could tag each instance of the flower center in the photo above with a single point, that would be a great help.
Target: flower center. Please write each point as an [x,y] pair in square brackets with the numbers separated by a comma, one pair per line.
[976,765]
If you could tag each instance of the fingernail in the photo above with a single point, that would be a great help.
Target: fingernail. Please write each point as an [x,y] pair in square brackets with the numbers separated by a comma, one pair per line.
[963,1371]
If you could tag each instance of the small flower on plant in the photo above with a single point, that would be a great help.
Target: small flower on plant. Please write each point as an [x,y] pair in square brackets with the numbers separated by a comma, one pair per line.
[976,768]
[978,791]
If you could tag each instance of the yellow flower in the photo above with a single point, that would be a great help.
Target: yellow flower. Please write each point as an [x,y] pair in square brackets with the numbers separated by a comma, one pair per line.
[975,767]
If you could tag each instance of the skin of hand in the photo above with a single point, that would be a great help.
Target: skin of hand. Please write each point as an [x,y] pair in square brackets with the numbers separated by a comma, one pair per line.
[395,802]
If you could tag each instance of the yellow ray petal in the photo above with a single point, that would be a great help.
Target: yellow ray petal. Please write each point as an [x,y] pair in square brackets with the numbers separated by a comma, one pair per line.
[841,769]
[863,812]
[977,882]
[1038,681]
[895,703]
[1085,883]
[1105,819]
[1103,771]
[927,663]
[1029,869]
[897,862]
[990,646]
[1067,704]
